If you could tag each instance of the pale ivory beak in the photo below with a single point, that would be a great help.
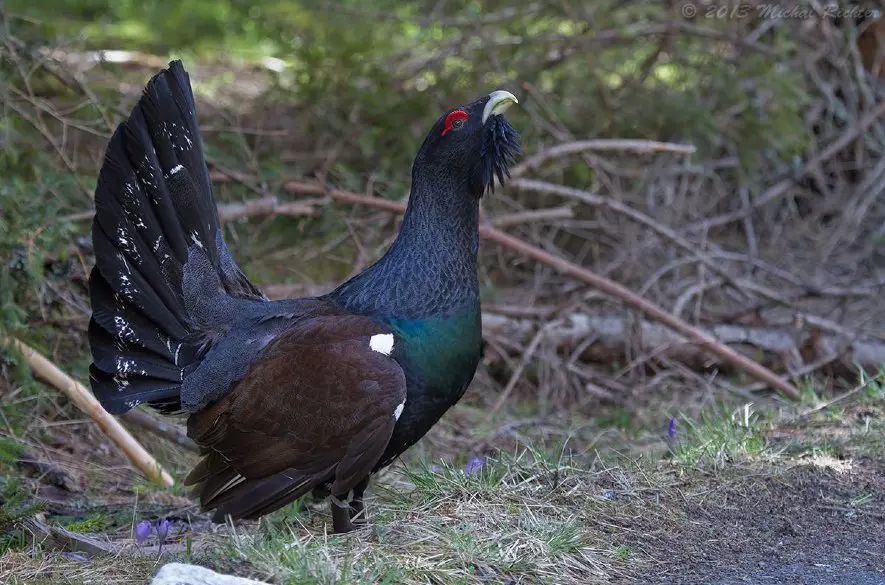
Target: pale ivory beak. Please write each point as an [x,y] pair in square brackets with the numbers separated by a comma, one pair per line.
[499,101]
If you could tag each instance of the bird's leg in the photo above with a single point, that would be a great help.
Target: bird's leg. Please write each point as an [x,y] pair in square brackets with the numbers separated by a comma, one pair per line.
[340,514]
[357,508]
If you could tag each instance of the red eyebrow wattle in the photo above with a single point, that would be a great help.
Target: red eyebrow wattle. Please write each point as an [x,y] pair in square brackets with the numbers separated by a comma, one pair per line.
[456,115]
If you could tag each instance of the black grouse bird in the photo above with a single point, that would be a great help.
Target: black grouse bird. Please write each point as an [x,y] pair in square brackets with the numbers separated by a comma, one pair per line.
[293,396]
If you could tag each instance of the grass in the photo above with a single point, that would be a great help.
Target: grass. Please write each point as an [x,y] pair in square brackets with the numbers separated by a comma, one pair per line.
[575,512]
[721,434]
[539,517]
[517,518]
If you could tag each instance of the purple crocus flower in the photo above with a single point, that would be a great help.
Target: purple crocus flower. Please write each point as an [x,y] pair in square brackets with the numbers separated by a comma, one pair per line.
[162,531]
[142,531]
[474,465]
[671,428]
[436,469]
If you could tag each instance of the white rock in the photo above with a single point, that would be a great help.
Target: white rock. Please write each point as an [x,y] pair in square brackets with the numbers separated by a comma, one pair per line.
[182,574]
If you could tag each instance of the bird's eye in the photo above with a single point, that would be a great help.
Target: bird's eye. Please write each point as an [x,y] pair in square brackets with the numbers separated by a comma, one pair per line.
[454,121]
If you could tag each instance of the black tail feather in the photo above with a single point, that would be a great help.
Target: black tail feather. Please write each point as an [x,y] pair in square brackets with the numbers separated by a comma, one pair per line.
[154,208]
[124,276]
[125,325]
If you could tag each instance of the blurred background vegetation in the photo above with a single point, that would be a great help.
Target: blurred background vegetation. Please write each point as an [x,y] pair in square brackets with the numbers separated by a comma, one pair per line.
[783,196]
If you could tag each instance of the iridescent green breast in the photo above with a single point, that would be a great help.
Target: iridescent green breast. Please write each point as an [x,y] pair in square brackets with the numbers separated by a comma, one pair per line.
[441,348]
[439,356]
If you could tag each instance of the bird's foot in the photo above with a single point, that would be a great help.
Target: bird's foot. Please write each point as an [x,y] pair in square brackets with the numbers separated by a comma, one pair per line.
[341,522]
[357,512]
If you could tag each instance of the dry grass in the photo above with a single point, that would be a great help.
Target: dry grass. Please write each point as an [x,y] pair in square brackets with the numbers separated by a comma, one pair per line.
[771,482]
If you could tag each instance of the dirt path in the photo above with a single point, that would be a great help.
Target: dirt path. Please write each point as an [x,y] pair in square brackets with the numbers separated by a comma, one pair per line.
[821,523]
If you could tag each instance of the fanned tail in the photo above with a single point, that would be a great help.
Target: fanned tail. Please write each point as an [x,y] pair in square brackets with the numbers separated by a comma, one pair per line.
[154,210]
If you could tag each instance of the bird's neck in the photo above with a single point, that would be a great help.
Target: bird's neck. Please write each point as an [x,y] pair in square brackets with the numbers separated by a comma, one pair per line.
[430,269]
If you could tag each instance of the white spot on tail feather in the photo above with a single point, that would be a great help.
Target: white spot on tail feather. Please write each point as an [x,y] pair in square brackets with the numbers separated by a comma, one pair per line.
[175,169]
[124,330]
[127,244]
[382,343]
[196,240]
[126,367]
[122,260]
[398,411]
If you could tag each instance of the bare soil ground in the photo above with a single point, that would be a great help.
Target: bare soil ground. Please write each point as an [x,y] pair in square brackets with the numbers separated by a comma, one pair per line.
[795,526]
[815,517]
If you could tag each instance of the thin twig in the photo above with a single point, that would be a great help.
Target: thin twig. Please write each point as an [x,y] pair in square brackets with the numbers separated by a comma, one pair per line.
[781,187]
[560,150]
[517,372]
[828,403]
[168,431]
[264,206]
[635,215]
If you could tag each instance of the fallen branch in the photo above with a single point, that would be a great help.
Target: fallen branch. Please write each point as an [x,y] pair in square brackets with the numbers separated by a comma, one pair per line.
[86,402]
[270,205]
[230,211]
[532,216]
[263,206]
[610,287]
[628,297]
[56,537]
[613,335]
[170,432]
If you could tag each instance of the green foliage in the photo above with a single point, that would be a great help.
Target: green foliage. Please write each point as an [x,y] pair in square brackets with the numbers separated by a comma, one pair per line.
[374,75]
[16,504]
[96,522]
[10,451]
[808,392]
[29,231]
[448,481]
[873,386]
[721,435]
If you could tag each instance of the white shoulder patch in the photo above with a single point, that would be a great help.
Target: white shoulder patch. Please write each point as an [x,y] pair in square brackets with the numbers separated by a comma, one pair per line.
[382,343]
[398,411]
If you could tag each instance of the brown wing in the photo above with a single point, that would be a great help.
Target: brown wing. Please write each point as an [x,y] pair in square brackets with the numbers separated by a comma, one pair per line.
[318,406]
